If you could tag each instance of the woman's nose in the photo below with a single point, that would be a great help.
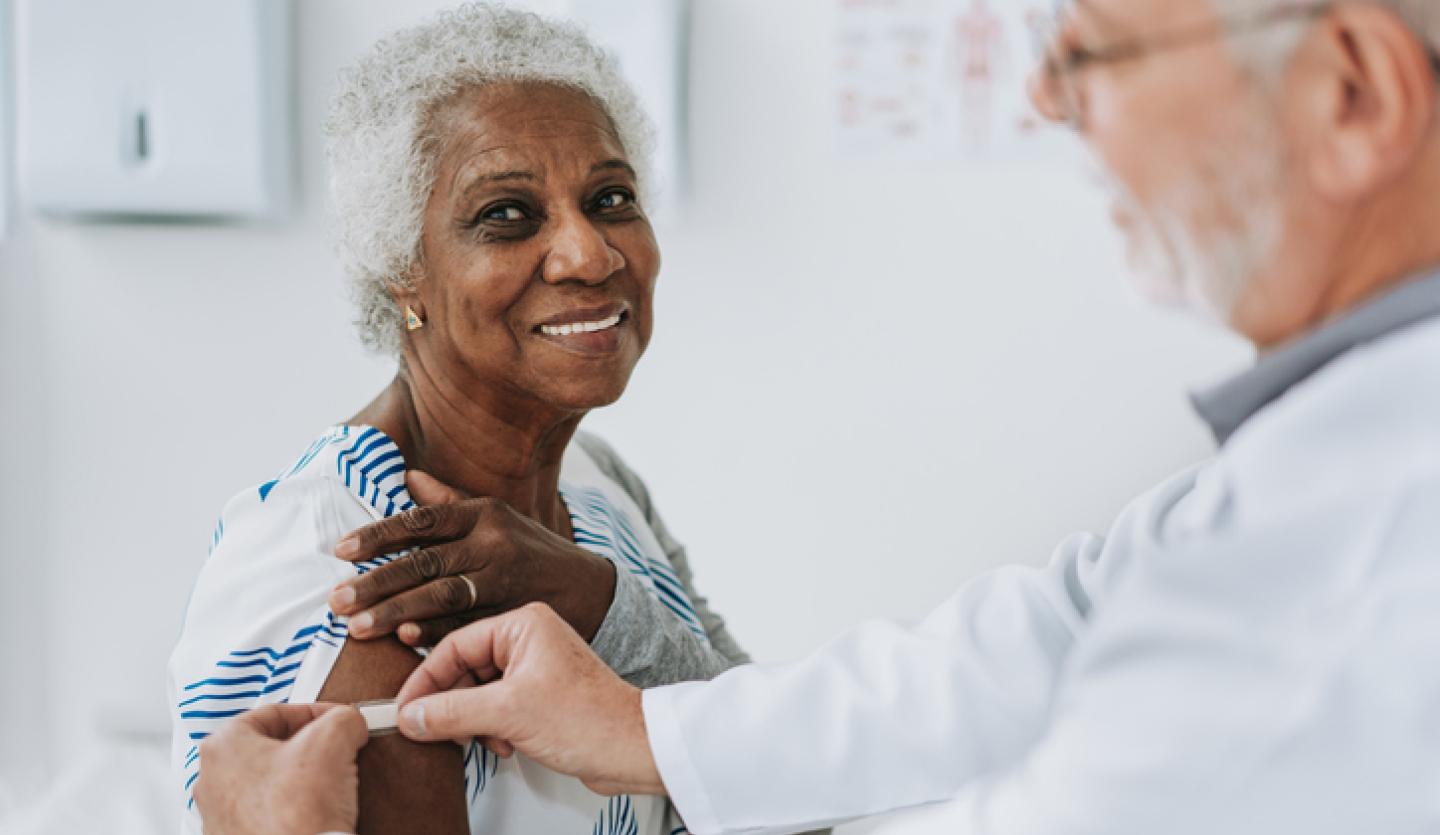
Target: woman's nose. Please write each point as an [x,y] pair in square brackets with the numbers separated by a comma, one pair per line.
[579,252]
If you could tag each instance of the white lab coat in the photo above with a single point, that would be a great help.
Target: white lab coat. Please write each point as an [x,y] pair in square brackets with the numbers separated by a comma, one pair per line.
[1254,648]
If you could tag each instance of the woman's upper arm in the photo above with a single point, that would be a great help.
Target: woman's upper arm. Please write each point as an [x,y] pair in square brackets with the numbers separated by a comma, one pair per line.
[259,630]
[404,786]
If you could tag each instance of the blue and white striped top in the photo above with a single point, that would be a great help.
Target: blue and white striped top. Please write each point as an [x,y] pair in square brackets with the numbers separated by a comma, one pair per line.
[259,631]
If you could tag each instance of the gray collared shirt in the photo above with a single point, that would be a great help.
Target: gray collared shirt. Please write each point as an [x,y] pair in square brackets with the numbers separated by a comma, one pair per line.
[1227,406]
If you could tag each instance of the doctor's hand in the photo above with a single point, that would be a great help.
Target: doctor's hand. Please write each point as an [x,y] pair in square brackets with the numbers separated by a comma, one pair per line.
[282,769]
[476,558]
[542,693]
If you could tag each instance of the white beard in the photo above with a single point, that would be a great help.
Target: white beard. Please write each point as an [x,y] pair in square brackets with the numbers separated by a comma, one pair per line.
[1208,273]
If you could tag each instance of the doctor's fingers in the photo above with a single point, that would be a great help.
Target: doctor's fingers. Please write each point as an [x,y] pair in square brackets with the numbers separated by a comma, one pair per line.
[465,657]
[498,747]
[488,711]
[249,741]
[275,722]
[333,740]
[531,643]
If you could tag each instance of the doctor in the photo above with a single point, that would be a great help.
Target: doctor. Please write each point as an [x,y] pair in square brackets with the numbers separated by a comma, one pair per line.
[1255,646]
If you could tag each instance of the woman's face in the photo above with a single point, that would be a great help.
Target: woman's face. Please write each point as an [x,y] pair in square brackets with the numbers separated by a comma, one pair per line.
[538,264]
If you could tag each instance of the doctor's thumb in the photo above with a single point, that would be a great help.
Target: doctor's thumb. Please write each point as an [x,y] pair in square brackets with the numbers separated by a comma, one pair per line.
[340,732]
[457,714]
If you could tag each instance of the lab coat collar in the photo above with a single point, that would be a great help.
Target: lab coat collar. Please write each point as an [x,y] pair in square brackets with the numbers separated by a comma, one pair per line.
[1227,406]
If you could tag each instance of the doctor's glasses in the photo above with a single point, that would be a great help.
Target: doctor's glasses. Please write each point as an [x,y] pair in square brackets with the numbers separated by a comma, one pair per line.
[1064,59]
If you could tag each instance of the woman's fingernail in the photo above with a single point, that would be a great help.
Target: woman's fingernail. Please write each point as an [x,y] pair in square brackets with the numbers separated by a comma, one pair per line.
[362,622]
[343,597]
[347,547]
[408,632]
[412,720]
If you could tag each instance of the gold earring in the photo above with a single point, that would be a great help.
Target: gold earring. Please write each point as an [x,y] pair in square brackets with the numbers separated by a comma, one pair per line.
[413,322]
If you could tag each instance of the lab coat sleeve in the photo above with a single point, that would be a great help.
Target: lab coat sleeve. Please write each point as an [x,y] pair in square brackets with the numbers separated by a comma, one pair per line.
[886,717]
[1278,682]
[1274,678]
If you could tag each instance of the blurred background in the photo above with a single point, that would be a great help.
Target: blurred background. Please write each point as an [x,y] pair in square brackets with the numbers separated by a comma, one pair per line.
[890,354]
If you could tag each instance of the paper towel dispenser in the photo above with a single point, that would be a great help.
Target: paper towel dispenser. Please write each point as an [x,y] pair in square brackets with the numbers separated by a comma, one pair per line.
[160,108]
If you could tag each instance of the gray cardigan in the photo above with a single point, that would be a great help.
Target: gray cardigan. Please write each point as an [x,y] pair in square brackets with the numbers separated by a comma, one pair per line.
[640,639]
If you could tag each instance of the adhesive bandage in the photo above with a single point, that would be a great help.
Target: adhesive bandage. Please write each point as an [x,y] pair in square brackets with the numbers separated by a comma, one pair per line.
[381,717]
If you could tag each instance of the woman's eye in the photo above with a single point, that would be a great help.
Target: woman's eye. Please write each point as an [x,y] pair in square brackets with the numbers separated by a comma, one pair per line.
[612,200]
[507,214]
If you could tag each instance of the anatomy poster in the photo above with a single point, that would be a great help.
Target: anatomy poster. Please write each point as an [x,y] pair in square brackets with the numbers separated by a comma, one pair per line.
[939,79]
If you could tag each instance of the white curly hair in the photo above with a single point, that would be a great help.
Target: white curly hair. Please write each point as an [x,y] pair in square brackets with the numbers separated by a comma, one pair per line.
[381,151]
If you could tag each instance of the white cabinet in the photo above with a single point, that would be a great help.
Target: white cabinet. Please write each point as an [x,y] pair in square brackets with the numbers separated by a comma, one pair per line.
[171,108]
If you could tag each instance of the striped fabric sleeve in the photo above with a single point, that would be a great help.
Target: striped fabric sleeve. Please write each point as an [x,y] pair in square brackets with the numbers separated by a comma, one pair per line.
[258,629]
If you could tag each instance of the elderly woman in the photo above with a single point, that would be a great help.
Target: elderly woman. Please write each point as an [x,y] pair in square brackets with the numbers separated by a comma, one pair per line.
[487,170]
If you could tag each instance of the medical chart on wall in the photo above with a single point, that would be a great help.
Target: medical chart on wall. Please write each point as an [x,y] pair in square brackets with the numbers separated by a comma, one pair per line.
[940,79]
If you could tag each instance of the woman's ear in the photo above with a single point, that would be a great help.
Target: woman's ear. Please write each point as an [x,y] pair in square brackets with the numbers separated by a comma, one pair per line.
[408,300]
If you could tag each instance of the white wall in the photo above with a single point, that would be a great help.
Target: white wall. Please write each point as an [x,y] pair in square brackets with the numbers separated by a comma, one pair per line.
[24,716]
[25,520]
[870,381]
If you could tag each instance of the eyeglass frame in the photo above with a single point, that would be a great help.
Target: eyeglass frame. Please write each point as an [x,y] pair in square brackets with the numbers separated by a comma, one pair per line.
[1073,61]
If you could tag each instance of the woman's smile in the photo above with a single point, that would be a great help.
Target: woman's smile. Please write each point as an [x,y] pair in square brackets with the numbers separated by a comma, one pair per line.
[594,330]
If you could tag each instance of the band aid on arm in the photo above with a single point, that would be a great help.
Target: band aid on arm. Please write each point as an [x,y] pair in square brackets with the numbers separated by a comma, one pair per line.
[381,717]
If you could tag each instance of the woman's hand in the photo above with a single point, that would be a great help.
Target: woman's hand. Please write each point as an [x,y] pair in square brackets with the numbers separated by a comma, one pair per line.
[476,558]
[544,693]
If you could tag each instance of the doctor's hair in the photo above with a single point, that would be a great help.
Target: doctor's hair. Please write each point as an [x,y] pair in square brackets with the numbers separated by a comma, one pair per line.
[382,144]
[1268,51]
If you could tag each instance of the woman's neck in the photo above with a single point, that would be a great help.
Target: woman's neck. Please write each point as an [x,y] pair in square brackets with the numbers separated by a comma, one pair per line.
[477,445]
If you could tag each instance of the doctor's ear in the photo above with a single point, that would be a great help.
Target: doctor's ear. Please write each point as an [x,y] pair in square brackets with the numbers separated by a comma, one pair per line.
[1368,94]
